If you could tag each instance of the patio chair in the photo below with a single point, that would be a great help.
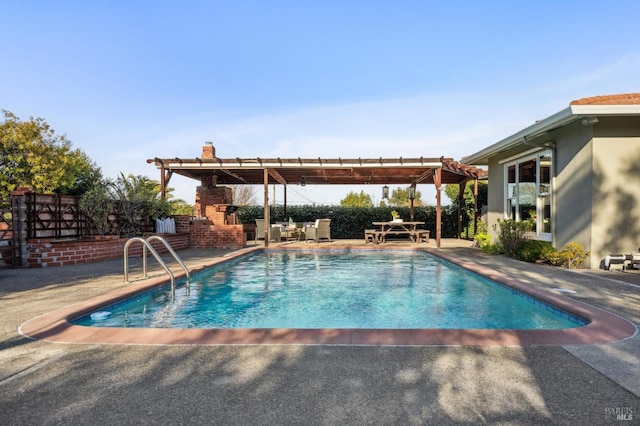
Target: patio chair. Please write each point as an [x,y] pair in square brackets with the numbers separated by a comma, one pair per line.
[274,232]
[321,230]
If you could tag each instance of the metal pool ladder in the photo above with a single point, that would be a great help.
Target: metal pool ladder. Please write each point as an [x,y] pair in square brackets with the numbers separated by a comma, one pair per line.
[147,245]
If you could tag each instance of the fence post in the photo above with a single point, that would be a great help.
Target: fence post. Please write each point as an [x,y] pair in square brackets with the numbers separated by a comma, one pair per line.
[19,219]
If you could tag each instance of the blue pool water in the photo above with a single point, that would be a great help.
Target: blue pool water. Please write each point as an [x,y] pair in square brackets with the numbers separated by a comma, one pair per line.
[329,289]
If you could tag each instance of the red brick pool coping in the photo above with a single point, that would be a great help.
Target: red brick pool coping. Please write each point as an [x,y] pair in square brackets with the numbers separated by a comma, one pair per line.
[603,327]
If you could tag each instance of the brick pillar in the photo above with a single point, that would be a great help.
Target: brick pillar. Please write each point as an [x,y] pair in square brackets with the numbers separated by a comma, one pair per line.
[182,223]
[209,180]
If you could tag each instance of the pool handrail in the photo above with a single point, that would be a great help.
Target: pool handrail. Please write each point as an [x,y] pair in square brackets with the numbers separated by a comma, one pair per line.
[147,245]
[174,254]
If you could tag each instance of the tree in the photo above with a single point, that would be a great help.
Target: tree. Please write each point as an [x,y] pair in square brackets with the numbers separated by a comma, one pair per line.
[243,195]
[139,200]
[400,197]
[97,204]
[453,190]
[132,187]
[356,200]
[33,155]
[180,207]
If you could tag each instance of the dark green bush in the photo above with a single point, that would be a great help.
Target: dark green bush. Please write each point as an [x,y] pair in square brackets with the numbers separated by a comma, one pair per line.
[533,250]
[511,233]
[493,249]
[350,222]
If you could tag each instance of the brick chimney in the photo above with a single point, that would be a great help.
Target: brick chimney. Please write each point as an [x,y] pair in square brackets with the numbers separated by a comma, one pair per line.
[208,151]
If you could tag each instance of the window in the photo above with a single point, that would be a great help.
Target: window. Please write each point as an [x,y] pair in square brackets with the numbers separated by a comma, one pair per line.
[528,192]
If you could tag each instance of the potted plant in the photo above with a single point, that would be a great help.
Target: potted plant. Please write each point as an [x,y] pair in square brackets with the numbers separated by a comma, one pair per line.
[396,216]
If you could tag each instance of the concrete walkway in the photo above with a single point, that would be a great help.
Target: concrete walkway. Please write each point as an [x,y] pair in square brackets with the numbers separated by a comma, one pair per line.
[46,383]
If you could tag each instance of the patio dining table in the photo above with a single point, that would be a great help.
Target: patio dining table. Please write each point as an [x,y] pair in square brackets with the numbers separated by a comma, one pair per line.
[398,228]
[288,231]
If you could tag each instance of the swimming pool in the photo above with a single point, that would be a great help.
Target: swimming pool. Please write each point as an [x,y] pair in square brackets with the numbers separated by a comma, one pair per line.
[306,289]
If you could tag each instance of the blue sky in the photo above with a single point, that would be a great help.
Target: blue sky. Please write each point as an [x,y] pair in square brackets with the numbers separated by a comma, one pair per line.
[132,80]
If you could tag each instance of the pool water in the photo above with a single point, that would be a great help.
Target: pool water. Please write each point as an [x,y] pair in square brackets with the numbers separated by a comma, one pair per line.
[335,289]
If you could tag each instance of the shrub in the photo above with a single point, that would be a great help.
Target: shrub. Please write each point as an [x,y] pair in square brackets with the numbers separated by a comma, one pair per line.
[493,249]
[571,256]
[350,222]
[533,250]
[482,239]
[96,205]
[511,235]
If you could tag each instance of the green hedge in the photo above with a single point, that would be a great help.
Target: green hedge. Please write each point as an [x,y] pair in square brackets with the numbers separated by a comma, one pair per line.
[350,222]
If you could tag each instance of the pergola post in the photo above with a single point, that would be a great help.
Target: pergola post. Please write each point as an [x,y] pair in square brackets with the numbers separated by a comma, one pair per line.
[165,177]
[267,220]
[412,189]
[412,212]
[475,206]
[284,188]
[437,180]
[462,187]
[163,184]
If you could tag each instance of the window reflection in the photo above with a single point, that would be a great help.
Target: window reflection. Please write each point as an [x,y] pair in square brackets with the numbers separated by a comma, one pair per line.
[528,189]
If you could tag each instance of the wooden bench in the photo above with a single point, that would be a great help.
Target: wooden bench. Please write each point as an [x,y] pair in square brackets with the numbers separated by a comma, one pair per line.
[421,235]
[371,235]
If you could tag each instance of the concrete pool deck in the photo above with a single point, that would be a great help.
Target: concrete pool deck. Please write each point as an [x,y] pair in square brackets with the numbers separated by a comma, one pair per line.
[45,382]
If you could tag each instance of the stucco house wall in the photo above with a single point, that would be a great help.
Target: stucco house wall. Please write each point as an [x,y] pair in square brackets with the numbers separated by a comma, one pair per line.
[615,226]
[573,186]
[495,196]
[595,176]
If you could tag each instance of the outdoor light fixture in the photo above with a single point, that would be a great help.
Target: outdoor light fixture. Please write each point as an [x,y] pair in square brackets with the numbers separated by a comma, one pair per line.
[385,192]
[303,181]
[589,121]
[412,192]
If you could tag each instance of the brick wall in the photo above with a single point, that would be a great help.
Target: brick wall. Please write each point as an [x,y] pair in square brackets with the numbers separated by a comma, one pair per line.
[45,252]
[204,234]
[211,202]
[48,252]
[182,223]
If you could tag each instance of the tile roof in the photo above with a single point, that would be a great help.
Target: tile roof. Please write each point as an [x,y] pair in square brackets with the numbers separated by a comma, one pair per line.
[623,99]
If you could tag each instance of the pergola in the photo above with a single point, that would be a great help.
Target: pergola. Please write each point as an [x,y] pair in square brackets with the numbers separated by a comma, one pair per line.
[323,171]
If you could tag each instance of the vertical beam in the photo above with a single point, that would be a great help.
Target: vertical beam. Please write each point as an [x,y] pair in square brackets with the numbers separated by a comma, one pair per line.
[412,210]
[461,187]
[285,203]
[165,177]
[475,206]
[267,220]
[411,201]
[163,184]
[437,180]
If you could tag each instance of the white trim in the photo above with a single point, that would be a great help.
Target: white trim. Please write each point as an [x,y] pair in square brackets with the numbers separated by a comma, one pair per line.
[532,154]
[559,119]
[605,109]
[523,154]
